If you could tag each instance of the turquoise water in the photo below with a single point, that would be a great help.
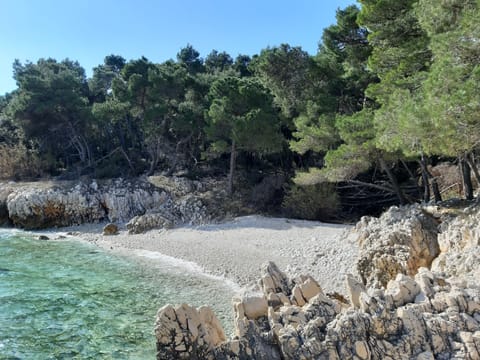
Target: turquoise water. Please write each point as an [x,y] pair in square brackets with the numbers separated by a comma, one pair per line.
[68,300]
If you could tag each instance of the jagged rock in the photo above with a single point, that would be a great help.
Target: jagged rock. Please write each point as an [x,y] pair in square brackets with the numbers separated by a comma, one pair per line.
[187,333]
[403,290]
[254,305]
[400,241]
[390,323]
[5,190]
[459,241]
[355,288]
[41,205]
[418,314]
[304,288]
[274,281]
[110,229]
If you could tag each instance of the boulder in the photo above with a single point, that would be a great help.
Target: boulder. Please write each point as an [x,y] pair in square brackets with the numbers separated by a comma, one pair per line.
[401,240]
[185,332]
[142,223]
[110,229]
[254,305]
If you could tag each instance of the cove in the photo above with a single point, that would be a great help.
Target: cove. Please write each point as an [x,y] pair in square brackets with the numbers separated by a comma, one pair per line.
[64,299]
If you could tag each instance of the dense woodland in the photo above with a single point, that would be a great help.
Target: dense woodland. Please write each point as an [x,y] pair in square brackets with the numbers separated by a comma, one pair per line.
[393,89]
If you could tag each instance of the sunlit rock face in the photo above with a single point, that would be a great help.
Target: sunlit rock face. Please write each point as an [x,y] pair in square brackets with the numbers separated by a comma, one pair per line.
[64,203]
[400,241]
[428,308]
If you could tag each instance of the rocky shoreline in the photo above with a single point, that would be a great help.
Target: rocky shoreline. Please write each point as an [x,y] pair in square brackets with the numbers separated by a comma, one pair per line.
[184,219]
[402,286]
[419,299]
[143,201]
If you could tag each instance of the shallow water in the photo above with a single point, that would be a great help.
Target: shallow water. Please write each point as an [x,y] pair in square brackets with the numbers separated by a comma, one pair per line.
[65,299]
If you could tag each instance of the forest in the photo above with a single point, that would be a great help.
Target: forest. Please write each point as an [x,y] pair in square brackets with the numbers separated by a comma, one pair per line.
[393,90]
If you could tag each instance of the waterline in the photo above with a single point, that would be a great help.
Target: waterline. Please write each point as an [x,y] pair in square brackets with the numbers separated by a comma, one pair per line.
[66,299]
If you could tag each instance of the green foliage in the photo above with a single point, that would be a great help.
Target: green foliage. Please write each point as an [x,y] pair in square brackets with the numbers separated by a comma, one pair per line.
[218,62]
[400,46]
[452,89]
[315,131]
[241,65]
[190,58]
[312,202]
[51,106]
[442,15]
[285,71]
[100,84]
[242,112]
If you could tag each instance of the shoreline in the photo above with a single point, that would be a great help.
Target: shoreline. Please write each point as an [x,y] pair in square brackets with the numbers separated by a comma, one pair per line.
[236,250]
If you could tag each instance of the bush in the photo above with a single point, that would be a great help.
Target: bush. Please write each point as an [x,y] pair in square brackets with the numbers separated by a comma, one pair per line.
[17,162]
[312,202]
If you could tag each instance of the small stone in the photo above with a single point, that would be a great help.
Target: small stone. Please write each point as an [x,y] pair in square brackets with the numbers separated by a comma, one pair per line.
[43,237]
[361,349]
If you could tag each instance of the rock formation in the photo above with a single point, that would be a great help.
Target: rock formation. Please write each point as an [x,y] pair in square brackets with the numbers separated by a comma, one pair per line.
[400,241]
[64,203]
[425,304]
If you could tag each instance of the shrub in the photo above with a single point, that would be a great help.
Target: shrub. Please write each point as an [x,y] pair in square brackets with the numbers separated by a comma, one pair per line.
[312,202]
[17,162]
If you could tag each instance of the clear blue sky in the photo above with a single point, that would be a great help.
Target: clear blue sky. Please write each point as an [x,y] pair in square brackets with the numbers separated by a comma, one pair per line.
[88,30]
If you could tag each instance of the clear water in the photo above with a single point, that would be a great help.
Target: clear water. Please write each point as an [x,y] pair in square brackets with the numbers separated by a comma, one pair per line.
[68,300]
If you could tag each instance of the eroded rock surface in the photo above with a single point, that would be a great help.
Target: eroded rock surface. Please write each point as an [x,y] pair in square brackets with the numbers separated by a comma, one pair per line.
[185,330]
[65,203]
[424,317]
[459,242]
[412,312]
[400,241]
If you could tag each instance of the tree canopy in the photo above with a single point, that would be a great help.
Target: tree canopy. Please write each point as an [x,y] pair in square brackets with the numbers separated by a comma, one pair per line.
[393,89]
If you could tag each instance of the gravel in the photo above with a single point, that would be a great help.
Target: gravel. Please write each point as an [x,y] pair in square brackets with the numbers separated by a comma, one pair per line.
[238,249]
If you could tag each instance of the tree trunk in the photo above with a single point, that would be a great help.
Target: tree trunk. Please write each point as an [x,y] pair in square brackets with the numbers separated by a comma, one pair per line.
[180,144]
[467,179]
[436,191]
[425,179]
[393,181]
[412,175]
[232,168]
[473,166]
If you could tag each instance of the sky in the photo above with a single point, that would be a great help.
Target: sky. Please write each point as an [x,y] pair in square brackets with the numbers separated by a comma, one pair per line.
[89,30]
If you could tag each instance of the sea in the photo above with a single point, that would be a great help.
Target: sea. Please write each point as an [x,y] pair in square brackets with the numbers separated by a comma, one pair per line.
[65,299]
